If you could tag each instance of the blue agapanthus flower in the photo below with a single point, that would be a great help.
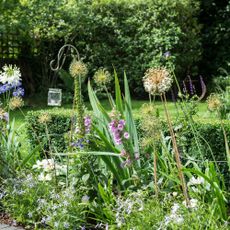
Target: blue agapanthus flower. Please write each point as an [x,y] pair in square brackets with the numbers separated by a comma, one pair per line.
[19,92]
[4,88]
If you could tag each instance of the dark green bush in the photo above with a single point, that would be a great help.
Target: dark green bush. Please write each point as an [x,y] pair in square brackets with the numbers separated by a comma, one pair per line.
[133,36]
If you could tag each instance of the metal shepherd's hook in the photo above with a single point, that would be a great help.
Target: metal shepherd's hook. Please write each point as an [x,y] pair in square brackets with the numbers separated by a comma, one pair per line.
[62,55]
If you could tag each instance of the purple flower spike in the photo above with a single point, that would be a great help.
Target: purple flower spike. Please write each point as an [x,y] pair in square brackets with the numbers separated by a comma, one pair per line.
[120,127]
[191,86]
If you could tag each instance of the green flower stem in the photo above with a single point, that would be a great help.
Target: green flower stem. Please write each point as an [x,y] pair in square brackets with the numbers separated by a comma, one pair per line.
[78,104]
[176,152]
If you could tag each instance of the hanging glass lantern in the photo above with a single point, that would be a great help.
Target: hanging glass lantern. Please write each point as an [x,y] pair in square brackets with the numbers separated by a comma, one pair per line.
[54,97]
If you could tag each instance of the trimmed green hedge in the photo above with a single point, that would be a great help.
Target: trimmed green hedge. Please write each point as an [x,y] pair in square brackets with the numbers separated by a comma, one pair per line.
[58,126]
[210,132]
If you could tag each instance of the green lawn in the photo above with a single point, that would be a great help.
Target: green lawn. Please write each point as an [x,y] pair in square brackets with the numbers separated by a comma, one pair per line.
[19,116]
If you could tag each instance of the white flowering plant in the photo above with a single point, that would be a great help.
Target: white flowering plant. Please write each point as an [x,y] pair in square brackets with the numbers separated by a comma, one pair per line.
[10,84]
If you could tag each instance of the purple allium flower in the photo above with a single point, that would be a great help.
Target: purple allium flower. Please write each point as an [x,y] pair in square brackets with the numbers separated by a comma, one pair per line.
[126,135]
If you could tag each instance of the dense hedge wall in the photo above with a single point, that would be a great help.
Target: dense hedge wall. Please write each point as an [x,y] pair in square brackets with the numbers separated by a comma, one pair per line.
[55,130]
[210,132]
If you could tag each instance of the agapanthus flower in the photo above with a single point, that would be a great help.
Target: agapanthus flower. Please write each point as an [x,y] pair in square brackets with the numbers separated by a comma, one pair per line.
[157,80]
[102,77]
[19,92]
[78,68]
[5,88]
[15,103]
[11,75]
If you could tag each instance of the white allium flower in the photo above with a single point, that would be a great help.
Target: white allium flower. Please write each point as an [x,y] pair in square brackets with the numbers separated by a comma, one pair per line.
[157,80]
[11,75]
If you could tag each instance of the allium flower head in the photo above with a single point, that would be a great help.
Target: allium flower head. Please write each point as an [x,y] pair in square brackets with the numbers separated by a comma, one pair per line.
[78,68]
[44,118]
[102,77]
[157,80]
[15,102]
[11,74]
[214,102]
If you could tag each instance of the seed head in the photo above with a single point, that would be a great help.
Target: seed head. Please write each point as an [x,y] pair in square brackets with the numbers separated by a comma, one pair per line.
[16,102]
[102,77]
[157,80]
[214,102]
[78,68]
[44,118]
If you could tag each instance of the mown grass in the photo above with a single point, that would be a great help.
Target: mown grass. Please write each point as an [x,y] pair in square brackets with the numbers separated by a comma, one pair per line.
[19,115]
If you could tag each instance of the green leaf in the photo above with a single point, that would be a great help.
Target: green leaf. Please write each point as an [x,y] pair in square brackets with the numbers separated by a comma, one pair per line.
[119,104]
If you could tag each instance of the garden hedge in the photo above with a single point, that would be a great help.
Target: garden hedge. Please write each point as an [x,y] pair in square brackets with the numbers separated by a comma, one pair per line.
[58,126]
[209,132]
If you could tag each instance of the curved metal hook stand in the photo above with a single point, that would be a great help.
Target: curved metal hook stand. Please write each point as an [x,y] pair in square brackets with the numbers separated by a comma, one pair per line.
[60,55]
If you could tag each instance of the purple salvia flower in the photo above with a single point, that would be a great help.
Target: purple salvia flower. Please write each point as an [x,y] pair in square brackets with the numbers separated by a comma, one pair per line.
[184,88]
[191,86]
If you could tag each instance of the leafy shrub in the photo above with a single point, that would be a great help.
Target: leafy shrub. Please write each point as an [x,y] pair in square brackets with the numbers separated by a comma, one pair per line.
[134,36]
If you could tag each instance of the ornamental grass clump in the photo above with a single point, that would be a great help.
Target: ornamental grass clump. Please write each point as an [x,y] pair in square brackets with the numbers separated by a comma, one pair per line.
[157,81]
